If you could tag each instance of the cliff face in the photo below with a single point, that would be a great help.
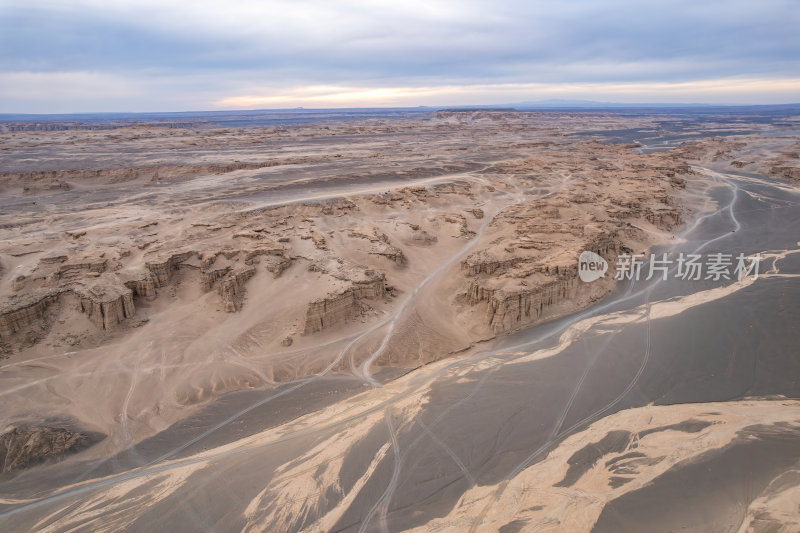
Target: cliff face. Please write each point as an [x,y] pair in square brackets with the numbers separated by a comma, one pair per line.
[231,288]
[510,310]
[162,268]
[26,313]
[143,288]
[104,296]
[529,266]
[107,297]
[511,306]
[481,264]
[107,305]
[343,306]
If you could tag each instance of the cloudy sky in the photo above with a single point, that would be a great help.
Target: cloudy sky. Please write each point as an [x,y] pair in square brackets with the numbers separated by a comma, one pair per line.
[173,55]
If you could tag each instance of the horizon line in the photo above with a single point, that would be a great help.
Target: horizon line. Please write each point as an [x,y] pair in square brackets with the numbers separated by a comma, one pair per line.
[543,105]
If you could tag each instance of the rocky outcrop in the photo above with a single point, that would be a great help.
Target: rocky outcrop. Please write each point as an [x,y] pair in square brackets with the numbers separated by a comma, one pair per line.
[107,297]
[104,297]
[460,221]
[379,243]
[388,251]
[208,278]
[107,304]
[482,263]
[276,264]
[163,267]
[526,270]
[79,267]
[345,305]
[23,313]
[318,240]
[144,287]
[664,218]
[24,447]
[786,172]
[422,237]
[231,288]
[518,291]
[507,311]
[509,308]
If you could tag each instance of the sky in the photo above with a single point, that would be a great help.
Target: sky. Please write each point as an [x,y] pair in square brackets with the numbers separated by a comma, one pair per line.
[61,56]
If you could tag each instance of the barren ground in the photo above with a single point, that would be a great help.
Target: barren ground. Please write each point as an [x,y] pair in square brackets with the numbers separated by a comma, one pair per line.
[149,274]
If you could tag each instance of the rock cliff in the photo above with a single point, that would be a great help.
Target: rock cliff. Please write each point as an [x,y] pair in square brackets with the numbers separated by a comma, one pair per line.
[107,304]
[527,269]
[231,287]
[344,305]
[108,296]
[26,311]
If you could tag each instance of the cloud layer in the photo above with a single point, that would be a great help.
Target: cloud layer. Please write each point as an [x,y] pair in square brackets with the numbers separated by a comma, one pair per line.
[86,55]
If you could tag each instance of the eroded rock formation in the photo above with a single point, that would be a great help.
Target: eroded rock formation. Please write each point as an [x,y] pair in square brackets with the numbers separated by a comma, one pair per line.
[346,304]
[529,265]
[26,446]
